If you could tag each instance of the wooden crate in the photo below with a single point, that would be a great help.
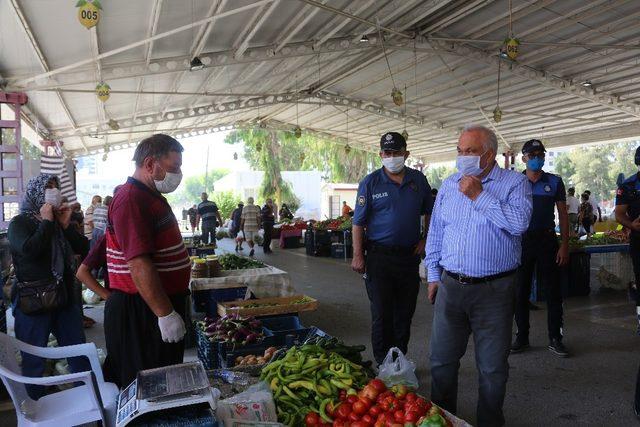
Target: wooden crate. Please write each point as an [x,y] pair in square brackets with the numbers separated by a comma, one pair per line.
[284,306]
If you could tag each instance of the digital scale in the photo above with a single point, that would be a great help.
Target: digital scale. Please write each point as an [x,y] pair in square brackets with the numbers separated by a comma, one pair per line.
[165,388]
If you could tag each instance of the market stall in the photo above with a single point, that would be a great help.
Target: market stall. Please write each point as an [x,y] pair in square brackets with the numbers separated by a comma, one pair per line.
[329,238]
[290,234]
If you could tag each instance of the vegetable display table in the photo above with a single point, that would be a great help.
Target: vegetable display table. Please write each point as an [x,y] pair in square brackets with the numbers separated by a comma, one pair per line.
[289,234]
[263,282]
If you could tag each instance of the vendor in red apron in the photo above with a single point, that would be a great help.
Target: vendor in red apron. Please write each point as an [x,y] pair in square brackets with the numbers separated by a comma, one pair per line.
[148,266]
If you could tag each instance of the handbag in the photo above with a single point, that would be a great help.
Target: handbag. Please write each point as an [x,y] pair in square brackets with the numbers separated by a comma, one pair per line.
[41,296]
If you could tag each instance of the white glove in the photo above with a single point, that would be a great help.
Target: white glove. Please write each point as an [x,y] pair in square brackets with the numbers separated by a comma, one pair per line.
[171,327]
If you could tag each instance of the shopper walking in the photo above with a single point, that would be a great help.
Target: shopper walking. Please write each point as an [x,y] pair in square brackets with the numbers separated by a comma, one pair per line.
[541,254]
[209,218]
[250,223]
[388,241]
[597,212]
[148,265]
[43,246]
[88,216]
[100,220]
[473,251]
[627,213]
[236,220]
[585,214]
[267,216]
[573,207]
[192,214]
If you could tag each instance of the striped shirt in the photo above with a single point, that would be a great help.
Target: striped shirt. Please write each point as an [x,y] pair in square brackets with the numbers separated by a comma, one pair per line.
[141,223]
[100,217]
[251,216]
[483,237]
[207,211]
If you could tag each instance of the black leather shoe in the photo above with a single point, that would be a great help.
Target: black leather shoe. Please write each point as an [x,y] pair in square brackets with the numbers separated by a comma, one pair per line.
[556,346]
[519,346]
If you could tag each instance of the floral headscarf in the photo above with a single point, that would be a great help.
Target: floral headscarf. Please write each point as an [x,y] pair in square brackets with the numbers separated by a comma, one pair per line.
[61,252]
[34,195]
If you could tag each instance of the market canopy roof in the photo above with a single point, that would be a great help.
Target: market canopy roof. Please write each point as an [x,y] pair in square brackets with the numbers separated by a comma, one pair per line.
[321,64]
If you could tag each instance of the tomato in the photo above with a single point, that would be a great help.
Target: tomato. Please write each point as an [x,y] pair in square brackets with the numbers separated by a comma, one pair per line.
[374,411]
[343,395]
[360,424]
[411,397]
[339,423]
[378,384]
[389,403]
[352,399]
[384,395]
[369,392]
[343,411]
[354,417]
[360,407]
[367,419]
[312,419]
[411,417]
[398,416]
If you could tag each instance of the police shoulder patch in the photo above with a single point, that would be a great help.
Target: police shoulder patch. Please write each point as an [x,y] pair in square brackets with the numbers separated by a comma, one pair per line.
[361,200]
[547,188]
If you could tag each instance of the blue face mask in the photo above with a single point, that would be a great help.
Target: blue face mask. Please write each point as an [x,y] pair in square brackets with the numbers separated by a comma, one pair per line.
[469,165]
[535,164]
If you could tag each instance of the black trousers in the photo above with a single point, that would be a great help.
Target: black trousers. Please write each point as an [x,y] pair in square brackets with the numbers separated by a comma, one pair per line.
[268,232]
[539,249]
[393,283]
[133,337]
[634,251]
[208,232]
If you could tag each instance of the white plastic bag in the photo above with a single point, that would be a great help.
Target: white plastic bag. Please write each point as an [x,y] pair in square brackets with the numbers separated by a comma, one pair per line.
[400,371]
[255,404]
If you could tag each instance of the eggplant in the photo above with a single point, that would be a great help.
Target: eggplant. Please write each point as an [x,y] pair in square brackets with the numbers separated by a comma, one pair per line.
[251,338]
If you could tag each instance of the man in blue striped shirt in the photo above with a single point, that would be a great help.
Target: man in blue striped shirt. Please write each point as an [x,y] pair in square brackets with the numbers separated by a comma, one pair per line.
[473,251]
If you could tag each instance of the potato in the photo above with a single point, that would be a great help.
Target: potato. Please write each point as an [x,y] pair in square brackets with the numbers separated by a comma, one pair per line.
[260,360]
[239,359]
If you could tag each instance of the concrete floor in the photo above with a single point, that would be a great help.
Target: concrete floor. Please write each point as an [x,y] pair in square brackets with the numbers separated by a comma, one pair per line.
[593,387]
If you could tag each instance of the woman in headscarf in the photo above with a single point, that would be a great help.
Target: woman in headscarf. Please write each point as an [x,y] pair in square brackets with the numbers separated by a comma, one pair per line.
[43,245]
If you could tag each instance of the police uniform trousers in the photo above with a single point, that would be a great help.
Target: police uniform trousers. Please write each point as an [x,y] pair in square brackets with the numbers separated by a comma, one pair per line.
[539,252]
[393,283]
[634,251]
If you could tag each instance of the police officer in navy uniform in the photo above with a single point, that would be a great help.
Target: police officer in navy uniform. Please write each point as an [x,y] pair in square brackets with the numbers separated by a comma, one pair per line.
[387,226]
[628,214]
[540,250]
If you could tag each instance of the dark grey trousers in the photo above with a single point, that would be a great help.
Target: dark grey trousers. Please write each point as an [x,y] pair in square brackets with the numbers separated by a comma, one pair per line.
[486,310]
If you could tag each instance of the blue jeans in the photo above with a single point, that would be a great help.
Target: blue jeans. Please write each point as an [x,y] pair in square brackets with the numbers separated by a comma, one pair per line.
[486,310]
[95,236]
[65,324]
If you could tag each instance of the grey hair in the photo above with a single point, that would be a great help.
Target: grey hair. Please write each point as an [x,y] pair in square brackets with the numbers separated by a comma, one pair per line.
[491,141]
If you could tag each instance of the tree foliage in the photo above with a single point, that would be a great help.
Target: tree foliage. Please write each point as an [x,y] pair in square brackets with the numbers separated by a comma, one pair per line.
[596,168]
[435,175]
[227,201]
[308,152]
[189,191]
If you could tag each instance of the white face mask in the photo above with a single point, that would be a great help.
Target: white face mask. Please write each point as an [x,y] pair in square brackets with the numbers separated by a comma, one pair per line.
[170,182]
[53,197]
[393,164]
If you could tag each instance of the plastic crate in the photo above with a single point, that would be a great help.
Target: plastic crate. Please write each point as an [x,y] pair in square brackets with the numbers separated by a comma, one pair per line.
[207,350]
[292,242]
[281,323]
[322,237]
[620,267]
[185,416]
[206,301]
[338,251]
[227,353]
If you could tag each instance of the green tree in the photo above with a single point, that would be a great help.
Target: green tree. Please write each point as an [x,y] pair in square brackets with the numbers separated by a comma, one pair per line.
[565,167]
[436,175]
[189,191]
[227,201]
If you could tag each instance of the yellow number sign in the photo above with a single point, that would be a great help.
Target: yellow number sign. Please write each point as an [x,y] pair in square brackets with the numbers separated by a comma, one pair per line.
[103,91]
[89,12]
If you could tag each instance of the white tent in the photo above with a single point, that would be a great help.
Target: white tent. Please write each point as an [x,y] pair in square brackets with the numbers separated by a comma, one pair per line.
[322,65]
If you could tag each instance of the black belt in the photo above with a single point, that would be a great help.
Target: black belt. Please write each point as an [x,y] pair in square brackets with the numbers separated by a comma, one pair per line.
[466,280]
[390,249]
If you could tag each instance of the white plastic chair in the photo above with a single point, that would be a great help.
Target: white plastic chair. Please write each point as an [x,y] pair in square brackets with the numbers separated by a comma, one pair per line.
[95,400]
